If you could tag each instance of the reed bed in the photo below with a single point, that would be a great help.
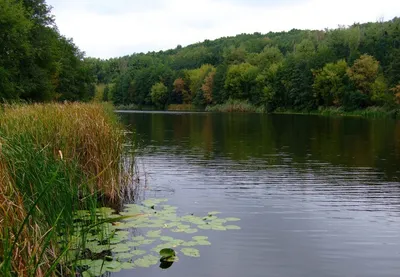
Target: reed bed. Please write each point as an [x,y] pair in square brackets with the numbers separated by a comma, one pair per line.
[54,160]
[236,106]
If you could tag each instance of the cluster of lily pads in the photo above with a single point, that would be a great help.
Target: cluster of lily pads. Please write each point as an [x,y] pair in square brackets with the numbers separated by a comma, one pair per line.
[114,242]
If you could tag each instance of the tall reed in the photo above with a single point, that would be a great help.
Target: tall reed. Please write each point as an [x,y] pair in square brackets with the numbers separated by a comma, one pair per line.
[54,159]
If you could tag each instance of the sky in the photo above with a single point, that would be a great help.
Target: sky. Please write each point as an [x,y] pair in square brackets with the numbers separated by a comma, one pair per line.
[113,28]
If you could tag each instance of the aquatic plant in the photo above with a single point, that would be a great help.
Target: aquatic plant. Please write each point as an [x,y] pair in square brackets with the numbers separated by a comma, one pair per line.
[116,246]
[54,159]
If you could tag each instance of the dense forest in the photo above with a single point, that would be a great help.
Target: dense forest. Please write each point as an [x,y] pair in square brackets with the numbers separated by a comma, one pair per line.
[36,62]
[350,67]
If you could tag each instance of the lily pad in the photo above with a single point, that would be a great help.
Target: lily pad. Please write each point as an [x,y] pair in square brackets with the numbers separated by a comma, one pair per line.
[138,252]
[154,234]
[191,252]
[124,256]
[167,253]
[232,227]
[232,219]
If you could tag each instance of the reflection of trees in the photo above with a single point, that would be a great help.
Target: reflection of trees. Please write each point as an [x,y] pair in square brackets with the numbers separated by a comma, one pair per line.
[353,142]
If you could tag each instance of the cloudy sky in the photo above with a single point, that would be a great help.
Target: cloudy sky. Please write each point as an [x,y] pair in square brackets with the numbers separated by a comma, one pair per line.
[111,28]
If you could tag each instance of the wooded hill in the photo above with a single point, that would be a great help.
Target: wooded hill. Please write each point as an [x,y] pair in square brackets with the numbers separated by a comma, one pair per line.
[351,67]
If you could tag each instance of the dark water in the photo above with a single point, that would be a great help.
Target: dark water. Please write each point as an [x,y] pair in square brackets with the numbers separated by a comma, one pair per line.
[317,196]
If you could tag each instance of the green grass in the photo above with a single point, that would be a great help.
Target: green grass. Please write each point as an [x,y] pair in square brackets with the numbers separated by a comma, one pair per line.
[181,107]
[235,106]
[370,112]
[54,160]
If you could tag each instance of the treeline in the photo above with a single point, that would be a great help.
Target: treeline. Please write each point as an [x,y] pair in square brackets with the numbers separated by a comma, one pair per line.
[350,67]
[36,62]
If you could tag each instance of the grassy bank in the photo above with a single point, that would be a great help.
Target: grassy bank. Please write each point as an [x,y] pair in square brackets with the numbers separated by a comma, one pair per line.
[370,112]
[235,106]
[54,160]
[181,107]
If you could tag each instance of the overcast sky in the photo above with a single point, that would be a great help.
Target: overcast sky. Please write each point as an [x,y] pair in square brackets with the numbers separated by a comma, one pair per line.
[112,28]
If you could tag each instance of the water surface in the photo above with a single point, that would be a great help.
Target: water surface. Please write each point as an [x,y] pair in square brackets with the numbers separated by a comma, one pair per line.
[317,196]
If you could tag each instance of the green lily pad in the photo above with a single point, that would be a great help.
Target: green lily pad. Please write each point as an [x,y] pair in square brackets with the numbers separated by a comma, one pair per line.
[127,266]
[118,248]
[191,252]
[232,219]
[138,252]
[154,234]
[138,238]
[167,252]
[124,256]
[232,227]
[213,213]
[153,202]
[200,238]
[146,261]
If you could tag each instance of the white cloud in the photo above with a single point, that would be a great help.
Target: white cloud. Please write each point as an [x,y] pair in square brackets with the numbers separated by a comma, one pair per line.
[106,28]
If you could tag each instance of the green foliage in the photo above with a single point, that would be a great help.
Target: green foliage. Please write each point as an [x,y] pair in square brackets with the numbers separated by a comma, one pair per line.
[363,73]
[48,152]
[297,70]
[123,250]
[330,83]
[36,62]
[159,94]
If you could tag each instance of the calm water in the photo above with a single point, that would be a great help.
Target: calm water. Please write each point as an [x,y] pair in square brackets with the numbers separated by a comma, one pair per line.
[317,196]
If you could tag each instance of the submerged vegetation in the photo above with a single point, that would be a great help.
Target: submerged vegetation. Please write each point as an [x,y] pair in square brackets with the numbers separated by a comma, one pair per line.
[54,159]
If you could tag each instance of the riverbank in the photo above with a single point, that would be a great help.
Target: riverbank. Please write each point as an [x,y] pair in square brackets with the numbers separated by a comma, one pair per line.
[245,107]
[370,112]
[55,159]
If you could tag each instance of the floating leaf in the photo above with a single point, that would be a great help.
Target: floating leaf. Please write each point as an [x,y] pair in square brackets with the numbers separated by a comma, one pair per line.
[232,219]
[190,243]
[138,238]
[123,256]
[167,253]
[232,227]
[166,238]
[86,274]
[200,238]
[205,227]
[113,266]
[146,261]
[154,234]
[190,231]
[213,213]
[127,266]
[118,248]
[191,252]
[138,252]
[218,228]
[152,202]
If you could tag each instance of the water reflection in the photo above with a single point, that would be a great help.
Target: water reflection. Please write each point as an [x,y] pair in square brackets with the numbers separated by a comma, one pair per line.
[317,196]
[352,142]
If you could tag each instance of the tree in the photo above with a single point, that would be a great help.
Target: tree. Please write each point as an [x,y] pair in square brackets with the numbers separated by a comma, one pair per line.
[159,94]
[396,92]
[330,83]
[240,80]
[208,87]
[14,46]
[363,73]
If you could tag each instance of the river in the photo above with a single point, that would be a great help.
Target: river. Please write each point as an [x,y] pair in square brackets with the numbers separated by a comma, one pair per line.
[317,196]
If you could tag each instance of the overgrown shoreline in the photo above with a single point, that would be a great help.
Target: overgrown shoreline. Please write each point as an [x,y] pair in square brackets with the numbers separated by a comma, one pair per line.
[245,107]
[54,159]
